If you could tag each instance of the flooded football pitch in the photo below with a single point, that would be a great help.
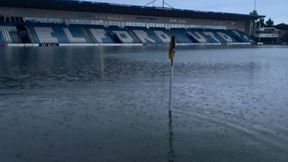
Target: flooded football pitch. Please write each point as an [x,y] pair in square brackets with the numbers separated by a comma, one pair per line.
[85,104]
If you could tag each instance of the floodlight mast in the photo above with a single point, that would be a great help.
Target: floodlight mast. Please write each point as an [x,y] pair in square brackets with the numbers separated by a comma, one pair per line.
[152,2]
[163,4]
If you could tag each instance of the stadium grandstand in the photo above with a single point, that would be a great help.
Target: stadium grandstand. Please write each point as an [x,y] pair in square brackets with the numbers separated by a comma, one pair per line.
[48,22]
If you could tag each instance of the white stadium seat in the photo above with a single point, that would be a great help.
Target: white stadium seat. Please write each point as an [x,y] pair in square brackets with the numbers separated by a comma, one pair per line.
[45,35]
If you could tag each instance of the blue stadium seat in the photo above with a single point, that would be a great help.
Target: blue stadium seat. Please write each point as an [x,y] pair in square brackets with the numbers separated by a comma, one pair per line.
[241,36]
[121,35]
[180,35]
[1,38]
[197,36]
[161,34]
[75,34]
[99,34]
[30,27]
[60,33]
[226,36]
[211,36]
[144,35]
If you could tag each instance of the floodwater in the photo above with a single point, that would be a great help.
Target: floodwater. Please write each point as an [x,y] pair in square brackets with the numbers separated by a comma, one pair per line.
[83,104]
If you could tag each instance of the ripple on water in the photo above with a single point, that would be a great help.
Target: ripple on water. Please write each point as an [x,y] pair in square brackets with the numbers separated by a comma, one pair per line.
[110,104]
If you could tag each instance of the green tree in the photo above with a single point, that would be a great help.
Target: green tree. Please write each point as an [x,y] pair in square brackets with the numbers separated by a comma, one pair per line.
[260,22]
[253,13]
[269,22]
[282,26]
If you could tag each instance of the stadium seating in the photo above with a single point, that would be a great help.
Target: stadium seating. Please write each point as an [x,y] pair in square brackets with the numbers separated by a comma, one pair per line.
[61,33]
[211,36]
[44,35]
[181,35]
[225,36]
[161,35]
[48,33]
[197,36]
[75,34]
[121,35]
[241,37]
[6,33]
[99,35]
[144,35]
[1,38]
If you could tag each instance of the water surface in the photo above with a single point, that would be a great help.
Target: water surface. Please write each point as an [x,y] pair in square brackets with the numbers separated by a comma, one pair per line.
[110,104]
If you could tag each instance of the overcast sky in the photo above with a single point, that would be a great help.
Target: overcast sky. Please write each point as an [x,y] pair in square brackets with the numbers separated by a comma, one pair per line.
[276,9]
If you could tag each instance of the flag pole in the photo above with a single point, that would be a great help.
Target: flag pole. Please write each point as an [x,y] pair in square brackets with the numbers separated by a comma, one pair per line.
[170,124]
[171,57]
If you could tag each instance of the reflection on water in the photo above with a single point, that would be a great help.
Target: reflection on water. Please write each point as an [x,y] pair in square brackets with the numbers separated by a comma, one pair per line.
[111,104]
[171,154]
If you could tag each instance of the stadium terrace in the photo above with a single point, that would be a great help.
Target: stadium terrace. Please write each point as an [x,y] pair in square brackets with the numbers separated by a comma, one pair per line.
[65,23]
